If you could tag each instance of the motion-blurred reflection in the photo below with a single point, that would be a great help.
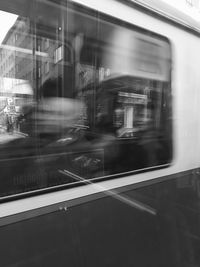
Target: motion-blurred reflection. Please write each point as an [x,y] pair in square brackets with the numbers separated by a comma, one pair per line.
[91,99]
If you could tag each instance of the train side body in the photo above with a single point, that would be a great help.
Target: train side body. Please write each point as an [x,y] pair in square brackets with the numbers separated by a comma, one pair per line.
[144,218]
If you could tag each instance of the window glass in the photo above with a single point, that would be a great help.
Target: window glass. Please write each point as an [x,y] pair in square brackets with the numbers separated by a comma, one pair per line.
[82,96]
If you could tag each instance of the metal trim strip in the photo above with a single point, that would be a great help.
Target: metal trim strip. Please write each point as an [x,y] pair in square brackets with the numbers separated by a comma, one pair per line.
[64,206]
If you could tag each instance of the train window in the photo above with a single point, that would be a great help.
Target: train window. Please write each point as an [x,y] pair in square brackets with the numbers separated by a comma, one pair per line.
[101,108]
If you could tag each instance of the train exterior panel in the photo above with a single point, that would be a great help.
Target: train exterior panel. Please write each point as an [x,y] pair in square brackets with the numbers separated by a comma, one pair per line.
[121,186]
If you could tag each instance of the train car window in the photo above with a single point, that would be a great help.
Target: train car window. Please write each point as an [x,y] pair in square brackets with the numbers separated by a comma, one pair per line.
[83,96]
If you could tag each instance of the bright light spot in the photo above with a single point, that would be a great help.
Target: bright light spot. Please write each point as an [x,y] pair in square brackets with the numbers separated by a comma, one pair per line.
[191,11]
[6,21]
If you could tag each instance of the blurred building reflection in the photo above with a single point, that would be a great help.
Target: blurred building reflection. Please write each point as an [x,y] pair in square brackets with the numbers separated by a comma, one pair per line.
[96,93]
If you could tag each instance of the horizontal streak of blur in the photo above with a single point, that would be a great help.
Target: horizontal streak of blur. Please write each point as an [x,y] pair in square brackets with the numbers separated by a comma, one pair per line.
[24,50]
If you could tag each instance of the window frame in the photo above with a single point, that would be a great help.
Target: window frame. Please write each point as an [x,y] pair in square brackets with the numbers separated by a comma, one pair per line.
[114,21]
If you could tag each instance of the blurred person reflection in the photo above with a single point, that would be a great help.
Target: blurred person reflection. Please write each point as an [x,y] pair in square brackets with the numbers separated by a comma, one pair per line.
[53,115]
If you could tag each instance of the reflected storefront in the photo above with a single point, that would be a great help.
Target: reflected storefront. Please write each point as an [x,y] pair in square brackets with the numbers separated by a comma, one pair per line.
[14,95]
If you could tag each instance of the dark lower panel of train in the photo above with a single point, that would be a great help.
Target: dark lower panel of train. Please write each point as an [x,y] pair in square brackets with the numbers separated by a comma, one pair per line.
[152,226]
